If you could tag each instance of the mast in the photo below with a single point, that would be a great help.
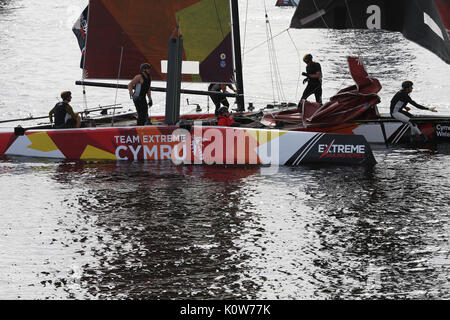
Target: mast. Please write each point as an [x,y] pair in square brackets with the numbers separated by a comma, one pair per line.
[238,55]
[175,60]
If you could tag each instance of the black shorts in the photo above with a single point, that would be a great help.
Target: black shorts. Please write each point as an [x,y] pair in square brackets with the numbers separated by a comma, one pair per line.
[70,123]
[219,99]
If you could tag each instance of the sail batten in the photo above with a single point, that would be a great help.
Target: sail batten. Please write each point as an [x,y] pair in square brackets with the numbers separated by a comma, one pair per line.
[425,22]
[286,3]
[141,29]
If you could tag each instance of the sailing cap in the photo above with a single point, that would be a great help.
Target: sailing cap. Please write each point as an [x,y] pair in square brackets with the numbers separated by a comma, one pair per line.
[145,65]
[66,94]
[307,58]
[407,84]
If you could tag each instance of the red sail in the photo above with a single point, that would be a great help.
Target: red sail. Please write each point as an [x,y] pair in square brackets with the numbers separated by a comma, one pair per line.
[128,33]
[355,102]
[443,7]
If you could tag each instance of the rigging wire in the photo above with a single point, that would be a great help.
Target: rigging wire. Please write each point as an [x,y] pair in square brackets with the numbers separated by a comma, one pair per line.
[299,66]
[245,28]
[323,20]
[274,66]
[218,19]
[277,68]
[264,42]
[117,89]
[358,48]
[325,23]
[270,64]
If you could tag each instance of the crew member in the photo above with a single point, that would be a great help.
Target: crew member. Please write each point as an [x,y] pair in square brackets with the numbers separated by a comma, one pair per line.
[64,115]
[399,109]
[224,118]
[220,98]
[313,76]
[138,88]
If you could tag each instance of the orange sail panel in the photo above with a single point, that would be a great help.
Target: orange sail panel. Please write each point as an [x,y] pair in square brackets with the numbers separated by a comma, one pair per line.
[127,33]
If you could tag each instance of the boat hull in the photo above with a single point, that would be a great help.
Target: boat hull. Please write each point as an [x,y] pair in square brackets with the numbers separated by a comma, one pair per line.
[436,129]
[195,145]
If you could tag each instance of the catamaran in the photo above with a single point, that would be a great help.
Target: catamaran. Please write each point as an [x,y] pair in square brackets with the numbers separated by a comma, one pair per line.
[353,110]
[199,35]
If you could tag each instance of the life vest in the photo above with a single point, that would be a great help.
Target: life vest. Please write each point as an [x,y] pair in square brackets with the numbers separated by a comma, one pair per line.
[225,121]
[61,114]
[141,89]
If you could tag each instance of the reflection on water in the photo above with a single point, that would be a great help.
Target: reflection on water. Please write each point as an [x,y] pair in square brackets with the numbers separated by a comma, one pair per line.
[380,241]
[166,231]
[156,231]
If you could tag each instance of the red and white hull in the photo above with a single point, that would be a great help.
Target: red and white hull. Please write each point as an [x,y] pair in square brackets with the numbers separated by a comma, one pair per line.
[198,145]
[395,132]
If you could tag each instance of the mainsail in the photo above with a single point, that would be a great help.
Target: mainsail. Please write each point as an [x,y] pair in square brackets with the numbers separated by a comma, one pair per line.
[426,22]
[123,34]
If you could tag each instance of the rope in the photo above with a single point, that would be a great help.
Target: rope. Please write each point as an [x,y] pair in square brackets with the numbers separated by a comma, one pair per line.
[277,69]
[270,62]
[274,66]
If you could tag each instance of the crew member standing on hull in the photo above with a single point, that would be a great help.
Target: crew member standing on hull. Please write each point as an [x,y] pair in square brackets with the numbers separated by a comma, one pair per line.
[64,116]
[399,109]
[313,76]
[219,98]
[141,85]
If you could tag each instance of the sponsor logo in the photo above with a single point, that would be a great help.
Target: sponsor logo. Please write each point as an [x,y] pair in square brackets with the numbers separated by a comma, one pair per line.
[146,146]
[333,150]
[209,145]
[374,20]
[442,131]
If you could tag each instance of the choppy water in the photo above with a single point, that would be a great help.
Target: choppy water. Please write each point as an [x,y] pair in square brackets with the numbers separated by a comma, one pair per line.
[156,231]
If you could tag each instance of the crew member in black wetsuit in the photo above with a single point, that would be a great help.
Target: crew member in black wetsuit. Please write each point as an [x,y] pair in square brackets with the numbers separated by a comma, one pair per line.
[313,76]
[219,98]
[64,115]
[141,85]
[399,109]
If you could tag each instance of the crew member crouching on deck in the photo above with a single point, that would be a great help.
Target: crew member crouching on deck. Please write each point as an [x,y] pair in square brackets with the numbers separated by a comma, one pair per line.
[224,118]
[399,109]
[64,115]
